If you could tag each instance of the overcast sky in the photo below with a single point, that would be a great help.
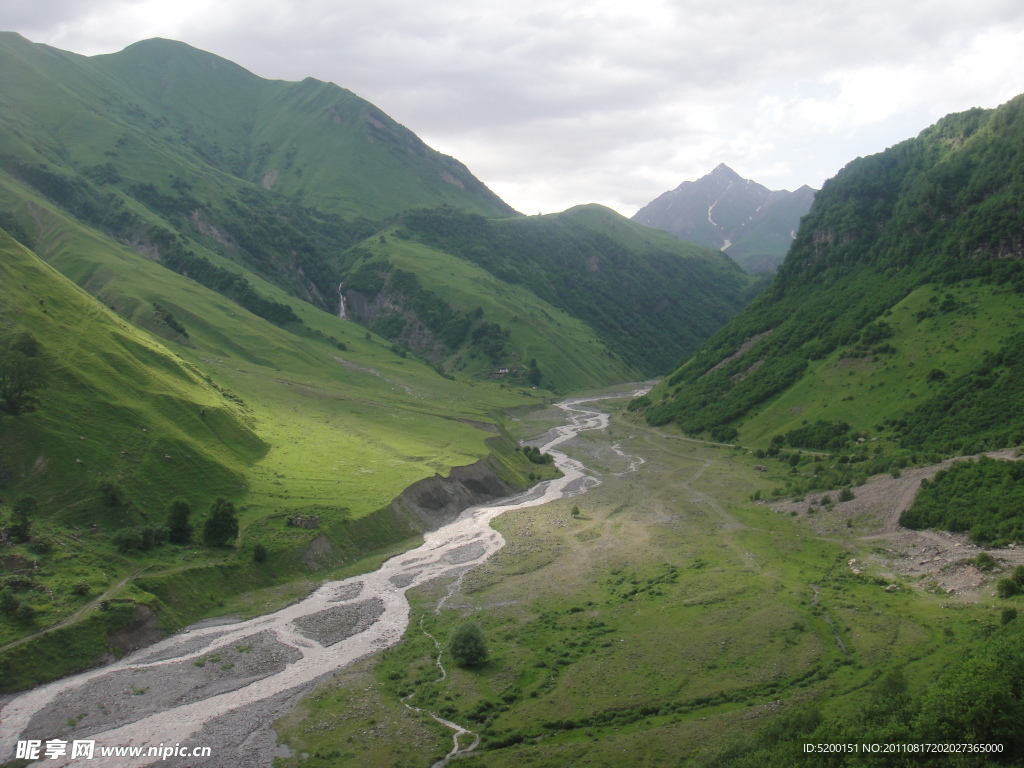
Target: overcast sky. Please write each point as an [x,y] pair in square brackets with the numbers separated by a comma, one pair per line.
[558,102]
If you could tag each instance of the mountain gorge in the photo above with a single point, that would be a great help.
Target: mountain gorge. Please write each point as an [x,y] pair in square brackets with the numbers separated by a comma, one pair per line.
[223,287]
[258,342]
[740,217]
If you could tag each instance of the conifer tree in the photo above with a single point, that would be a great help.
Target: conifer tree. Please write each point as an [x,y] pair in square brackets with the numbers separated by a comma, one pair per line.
[178,522]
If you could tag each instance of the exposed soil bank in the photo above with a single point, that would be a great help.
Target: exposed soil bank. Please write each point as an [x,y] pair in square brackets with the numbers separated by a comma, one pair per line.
[424,506]
[436,501]
[222,685]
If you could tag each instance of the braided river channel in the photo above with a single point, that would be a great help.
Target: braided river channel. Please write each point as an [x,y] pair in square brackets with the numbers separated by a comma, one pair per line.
[162,695]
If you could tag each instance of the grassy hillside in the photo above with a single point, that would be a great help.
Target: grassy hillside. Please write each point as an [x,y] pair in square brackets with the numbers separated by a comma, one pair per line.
[117,407]
[894,318]
[568,353]
[225,177]
[624,280]
[310,138]
[315,418]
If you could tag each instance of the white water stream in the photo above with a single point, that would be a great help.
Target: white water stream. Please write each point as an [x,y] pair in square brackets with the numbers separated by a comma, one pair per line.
[340,623]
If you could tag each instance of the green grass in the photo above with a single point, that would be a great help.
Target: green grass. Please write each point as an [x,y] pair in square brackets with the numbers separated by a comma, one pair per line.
[570,355]
[661,619]
[866,389]
[242,409]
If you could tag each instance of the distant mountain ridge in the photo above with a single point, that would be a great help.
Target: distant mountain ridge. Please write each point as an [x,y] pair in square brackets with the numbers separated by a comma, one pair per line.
[751,223]
[895,314]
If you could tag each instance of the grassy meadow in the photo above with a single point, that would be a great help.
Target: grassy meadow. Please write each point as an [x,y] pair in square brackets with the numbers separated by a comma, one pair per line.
[668,616]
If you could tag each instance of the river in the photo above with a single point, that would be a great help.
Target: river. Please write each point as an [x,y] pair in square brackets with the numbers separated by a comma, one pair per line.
[222,685]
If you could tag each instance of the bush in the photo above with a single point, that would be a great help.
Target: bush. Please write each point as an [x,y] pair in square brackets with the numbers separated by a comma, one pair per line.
[1007,588]
[1018,575]
[259,553]
[467,646]
[984,561]
[1008,615]
[25,508]
[21,377]
[221,527]
[846,495]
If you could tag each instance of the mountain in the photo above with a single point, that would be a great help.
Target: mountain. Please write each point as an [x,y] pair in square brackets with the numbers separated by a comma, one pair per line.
[891,332]
[230,179]
[160,107]
[218,286]
[722,210]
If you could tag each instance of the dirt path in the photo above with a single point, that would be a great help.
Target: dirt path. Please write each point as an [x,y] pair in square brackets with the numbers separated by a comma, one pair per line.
[77,614]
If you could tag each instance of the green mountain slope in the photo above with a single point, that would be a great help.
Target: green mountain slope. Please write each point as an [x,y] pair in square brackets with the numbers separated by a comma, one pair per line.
[314,419]
[895,318]
[118,408]
[312,139]
[648,296]
[206,169]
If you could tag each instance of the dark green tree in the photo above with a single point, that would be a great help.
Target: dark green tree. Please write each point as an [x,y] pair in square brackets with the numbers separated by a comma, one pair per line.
[27,344]
[533,375]
[25,508]
[178,522]
[112,494]
[467,646]
[21,377]
[221,527]
[259,553]
[8,602]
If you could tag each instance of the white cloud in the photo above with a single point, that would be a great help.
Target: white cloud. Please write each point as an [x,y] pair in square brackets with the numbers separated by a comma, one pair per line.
[557,103]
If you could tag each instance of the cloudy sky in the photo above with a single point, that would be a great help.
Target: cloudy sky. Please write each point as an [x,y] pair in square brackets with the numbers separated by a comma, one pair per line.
[557,102]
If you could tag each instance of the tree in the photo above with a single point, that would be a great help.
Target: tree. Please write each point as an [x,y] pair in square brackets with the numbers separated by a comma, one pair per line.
[25,508]
[112,494]
[533,376]
[221,527]
[20,377]
[178,522]
[8,602]
[259,553]
[467,646]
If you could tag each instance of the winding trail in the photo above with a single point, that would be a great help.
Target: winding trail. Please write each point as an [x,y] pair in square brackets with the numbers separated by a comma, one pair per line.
[221,686]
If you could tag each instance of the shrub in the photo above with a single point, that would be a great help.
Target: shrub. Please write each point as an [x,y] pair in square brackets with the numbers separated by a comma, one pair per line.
[259,553]
[846,495]
[1008,614]
[25,508]
[984,561]
[467,646]
[1007,588]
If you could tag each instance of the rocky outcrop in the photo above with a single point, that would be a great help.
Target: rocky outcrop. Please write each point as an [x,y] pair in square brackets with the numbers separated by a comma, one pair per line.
[438,500]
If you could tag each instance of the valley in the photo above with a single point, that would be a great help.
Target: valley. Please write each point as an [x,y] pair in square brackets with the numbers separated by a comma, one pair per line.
[661,625]
[261,347]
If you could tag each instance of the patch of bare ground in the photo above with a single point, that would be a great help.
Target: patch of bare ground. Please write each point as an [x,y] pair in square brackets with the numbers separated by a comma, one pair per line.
[932,560]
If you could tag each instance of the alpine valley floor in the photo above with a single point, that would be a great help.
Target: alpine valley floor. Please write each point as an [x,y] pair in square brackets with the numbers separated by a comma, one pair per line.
[649,621]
